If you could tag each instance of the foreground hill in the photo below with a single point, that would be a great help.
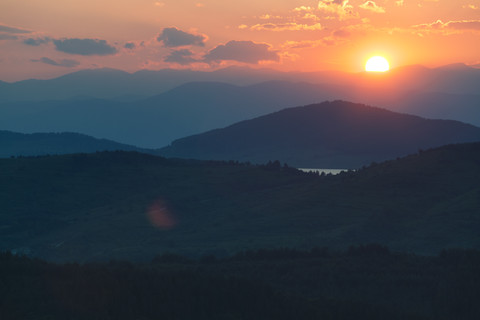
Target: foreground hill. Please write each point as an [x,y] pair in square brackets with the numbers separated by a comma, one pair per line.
[130,205]
[328,135]
[19,144]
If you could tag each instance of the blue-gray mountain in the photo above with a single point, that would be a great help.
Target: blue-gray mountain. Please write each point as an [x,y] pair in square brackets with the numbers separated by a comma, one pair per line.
[197,107]
[335,134]
[19,144]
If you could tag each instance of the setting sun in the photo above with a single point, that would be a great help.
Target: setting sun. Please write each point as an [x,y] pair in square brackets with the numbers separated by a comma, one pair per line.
[377,64]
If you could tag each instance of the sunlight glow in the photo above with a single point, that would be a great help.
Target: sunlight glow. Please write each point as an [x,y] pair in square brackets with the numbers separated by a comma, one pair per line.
[377,64]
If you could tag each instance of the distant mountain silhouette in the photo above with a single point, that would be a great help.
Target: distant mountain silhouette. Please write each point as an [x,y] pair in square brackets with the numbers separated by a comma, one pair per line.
[197,107]
[126,205]
[335,134]
[19,144]
[154,122]
[116,84]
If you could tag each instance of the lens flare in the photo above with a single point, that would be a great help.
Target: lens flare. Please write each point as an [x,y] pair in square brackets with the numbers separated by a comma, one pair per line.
[159,215]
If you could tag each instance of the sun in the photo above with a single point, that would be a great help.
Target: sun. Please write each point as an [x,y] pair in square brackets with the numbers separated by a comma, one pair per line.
[377,64]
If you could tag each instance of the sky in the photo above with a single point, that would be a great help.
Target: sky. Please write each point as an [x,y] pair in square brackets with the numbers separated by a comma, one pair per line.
[46,38]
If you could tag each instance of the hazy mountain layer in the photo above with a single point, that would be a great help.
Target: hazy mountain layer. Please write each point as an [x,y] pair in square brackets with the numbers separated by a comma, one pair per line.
[130,205]
[19,144]
[198,107]
[328,135]
[120,85]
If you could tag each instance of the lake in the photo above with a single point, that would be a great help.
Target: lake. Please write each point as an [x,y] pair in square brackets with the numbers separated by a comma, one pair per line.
[327,171]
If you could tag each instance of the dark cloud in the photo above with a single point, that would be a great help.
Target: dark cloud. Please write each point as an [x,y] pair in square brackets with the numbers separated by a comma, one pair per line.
[129,45]
[173,37]
[242,51]
[7,29]
[182,56]
[7,37]
[37,41]
[62,63]
[84,47]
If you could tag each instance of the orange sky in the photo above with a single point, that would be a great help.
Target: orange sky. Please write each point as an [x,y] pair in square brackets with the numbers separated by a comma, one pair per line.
[47,38]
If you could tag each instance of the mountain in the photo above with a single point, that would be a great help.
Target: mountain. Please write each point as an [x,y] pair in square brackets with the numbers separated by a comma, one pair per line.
[114,84]
[197,107]
[335,134]
[19,144]
[130,205]
[154,122]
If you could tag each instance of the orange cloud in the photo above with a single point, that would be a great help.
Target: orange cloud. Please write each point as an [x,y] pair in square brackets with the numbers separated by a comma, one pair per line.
[450,26]
[372,6]
[340,8]
[471,6]
[289,26]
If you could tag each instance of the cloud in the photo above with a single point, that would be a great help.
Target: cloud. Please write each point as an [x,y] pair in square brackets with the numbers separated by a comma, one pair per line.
[7,29]
[450,26]
[173,37]
[130,45]
[37,41]
[304,8]
[301,44]
[463,25]
[182,56]
[471,6]
[340,8]
[341,33]
[242,51]
[372,6]
[62,63]
[84,47]
[290,26]
[7,37]
[399,3]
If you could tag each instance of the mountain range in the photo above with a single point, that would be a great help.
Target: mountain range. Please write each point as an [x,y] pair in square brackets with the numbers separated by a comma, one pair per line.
[334,134]
[150,109]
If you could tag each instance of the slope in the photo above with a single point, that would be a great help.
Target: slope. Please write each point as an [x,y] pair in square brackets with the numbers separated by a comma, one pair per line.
[128,205]
[328,135]
[19,144]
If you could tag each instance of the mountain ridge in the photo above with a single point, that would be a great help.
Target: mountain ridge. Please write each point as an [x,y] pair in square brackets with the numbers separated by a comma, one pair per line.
[334,134]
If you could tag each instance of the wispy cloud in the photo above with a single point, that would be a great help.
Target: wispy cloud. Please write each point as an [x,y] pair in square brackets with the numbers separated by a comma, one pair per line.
[6,36]
[9,29]
[36,41]
[372,6]
[450,26]
[67,63]
[290,26]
